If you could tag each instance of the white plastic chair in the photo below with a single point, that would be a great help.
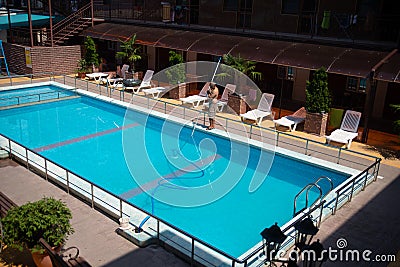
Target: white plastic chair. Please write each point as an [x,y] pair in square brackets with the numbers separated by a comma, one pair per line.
[348,129]
[292,120]
[146,82]
[196,100]
[263,109]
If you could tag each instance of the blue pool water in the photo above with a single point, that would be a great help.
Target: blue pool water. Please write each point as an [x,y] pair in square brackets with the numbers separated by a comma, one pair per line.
[85,136]
[33,94]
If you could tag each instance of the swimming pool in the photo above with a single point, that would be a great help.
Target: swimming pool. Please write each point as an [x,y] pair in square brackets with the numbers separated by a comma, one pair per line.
[85,134]
[27,94]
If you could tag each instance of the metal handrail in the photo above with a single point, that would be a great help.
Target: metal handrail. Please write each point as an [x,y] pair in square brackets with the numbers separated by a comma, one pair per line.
[307,188]
[38,94]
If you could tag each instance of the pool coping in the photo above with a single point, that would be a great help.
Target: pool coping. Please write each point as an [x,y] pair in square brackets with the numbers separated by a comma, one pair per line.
[238,138]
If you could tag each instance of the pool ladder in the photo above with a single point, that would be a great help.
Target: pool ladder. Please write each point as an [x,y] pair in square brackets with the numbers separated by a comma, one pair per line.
[307,188]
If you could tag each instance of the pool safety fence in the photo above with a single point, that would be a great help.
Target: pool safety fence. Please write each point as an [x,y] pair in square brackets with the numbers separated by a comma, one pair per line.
[196,250]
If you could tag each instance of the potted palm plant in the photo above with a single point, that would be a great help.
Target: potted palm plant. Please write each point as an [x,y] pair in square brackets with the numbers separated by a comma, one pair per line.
[48,218]
[130,52]
[318,101]
[82,68]
[248,68]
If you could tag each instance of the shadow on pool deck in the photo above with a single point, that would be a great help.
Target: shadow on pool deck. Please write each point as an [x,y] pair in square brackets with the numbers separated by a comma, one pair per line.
[369,222]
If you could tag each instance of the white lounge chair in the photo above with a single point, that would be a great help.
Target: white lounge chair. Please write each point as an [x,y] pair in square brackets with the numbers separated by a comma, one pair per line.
[155,91]
[292,120]
[263,109]
[348,129]
[229,89]
[146,82]
[124,70]
[196,100]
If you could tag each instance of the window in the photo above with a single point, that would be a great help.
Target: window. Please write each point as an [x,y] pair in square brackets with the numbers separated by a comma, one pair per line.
[358,85]
[111,45]
[231,5]
[246,5]
[285,73]
[290,7]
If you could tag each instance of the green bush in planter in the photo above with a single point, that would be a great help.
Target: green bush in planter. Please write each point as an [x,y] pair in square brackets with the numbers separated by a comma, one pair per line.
[318,97]
[48,218]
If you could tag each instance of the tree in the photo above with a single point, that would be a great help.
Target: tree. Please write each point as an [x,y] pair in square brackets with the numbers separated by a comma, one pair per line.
[318,97]
[91,55]
[130,52]
[247,67]
[176,73]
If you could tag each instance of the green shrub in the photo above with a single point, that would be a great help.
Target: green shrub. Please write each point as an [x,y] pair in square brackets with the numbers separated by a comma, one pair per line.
[176,73]
[91,55]
[318,97]
[48,218]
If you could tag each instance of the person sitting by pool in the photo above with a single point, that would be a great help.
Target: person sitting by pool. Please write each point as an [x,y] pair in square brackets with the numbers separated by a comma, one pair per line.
[212,94]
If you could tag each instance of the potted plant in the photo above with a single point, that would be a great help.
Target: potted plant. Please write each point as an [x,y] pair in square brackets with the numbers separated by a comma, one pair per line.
[130,52]
[176,75]
[91,56]
[318,101]
[48,218]
[82,68]
[235,65]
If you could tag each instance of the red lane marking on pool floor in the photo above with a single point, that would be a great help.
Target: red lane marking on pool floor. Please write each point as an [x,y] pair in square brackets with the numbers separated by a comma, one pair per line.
[85,137]
[153,184]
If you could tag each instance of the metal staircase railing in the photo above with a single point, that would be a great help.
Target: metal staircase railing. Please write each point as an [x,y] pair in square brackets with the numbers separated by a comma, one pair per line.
[71,25]
[307,190]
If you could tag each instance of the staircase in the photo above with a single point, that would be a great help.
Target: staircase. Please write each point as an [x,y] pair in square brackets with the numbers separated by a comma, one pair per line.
[71,26]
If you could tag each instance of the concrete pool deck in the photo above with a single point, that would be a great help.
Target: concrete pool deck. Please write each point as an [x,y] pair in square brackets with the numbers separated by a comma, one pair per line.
[370,221]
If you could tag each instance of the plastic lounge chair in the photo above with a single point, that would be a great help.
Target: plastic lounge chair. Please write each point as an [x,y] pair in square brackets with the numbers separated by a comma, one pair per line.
[348,129]
[292,120]
[146,82]
[229,89]
[124,70]
[155,91]
[57,258]
[106,79]
[196,100]
[263,109]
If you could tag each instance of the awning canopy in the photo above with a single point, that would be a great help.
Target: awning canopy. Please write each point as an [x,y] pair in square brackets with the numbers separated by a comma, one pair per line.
[390,70]
[340,60]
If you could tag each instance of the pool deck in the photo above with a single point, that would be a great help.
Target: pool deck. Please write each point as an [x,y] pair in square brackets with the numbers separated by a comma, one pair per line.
[370,221]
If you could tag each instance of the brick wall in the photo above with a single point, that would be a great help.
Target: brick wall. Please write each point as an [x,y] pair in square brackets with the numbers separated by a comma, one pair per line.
[59,59]
[15,55]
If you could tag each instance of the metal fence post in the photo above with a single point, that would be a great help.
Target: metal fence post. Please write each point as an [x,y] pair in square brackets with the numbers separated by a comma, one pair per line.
[67,181]
[340,151]
[306,148]
[192,256]
[45,169]
[120,208]
[27,161]
[9,148]
[91,189]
